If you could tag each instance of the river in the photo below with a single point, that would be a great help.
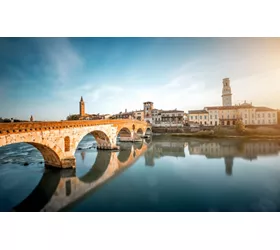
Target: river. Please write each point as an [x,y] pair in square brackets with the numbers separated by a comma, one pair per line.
[163,173]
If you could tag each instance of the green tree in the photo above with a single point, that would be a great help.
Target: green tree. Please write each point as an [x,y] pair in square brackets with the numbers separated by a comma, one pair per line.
[72,117]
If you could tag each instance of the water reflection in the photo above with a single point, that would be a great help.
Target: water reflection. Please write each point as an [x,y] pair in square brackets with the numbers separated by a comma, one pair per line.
[227,149]
[58,189]
[230,149]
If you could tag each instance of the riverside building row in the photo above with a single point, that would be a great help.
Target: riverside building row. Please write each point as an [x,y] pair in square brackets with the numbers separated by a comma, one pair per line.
[228,114]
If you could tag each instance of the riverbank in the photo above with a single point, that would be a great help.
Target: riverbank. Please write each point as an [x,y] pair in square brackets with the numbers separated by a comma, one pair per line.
[221,132]
[198,135]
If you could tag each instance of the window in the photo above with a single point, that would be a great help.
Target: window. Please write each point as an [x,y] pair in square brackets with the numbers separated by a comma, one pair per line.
[273,114]
[263,121]
[252,115]
[245,121]
[196,117]
[200,117]
[67,144]
[233,116]
[222,116]
[205,117]
[269,121]
[216,117]
[268,115]
[228,116]
[191,117]
[259,121]
[263,115]
[210,116]
[245,115]
[274,121]
[259,115]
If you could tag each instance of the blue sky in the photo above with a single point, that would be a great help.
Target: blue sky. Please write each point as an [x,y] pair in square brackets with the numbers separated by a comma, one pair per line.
[46,77]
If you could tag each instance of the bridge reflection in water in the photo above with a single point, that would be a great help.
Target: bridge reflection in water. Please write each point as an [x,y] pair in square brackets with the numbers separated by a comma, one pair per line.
[60,189]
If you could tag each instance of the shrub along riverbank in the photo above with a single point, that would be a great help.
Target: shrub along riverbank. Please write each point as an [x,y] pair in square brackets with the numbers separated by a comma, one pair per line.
[237,132]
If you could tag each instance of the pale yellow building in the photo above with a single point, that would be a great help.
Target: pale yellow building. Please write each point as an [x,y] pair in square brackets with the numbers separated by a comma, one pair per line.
[199,116]
[228,114]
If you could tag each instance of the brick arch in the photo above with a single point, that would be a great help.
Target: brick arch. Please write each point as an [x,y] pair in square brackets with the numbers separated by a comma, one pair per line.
[140,131]
[124,131]
[148,129]
[51,158]
[49,150]
[99,135]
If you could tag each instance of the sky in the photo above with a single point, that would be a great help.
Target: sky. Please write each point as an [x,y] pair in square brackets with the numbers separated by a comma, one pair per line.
[46,77]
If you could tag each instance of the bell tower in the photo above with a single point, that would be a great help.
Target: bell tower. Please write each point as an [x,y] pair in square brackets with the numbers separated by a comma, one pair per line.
[148,107]
[82,107]
[226,93]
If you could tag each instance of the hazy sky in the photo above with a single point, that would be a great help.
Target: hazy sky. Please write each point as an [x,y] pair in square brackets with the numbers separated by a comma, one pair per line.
[46,77]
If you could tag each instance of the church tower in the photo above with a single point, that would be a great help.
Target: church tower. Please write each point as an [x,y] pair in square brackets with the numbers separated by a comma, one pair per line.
[226,93]
[148,107]
[82,107]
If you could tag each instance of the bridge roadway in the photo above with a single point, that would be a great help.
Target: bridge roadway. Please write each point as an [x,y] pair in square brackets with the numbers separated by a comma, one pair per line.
[60,189]
[58,141]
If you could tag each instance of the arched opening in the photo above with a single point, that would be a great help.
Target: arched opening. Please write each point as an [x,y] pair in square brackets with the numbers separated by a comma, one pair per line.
[148,131]
[94,139]
[66,144]
[140,131]
[24,165]
[87,152]
[124,135]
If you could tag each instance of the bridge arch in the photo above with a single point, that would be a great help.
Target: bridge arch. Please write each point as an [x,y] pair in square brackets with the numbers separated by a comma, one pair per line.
[148,131]
[100,136]
[124,133]
[140,131]
[50,153]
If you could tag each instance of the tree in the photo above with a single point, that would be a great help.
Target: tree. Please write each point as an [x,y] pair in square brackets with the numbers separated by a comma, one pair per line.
[73,117]
[239,126]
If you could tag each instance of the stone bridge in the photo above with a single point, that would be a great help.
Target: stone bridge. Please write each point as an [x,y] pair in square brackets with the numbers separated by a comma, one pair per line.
[57,141]
[59,189]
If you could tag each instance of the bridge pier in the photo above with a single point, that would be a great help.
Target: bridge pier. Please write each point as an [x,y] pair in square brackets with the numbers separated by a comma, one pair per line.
[68,162]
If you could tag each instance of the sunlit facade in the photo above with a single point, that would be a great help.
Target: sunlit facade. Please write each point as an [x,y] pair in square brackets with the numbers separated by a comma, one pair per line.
[228,114]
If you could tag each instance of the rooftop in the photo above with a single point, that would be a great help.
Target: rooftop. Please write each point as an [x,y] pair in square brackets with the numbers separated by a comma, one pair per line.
[201,111]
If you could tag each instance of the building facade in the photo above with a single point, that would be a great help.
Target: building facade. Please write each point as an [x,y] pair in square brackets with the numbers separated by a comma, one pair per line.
[148,107]
[167,118]
[228,114]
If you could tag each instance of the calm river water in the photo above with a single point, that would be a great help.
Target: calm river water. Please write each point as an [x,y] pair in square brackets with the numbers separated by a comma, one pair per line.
[161,174]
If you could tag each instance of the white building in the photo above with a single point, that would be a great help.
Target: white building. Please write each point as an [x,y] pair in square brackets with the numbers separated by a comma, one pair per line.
[228,114]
